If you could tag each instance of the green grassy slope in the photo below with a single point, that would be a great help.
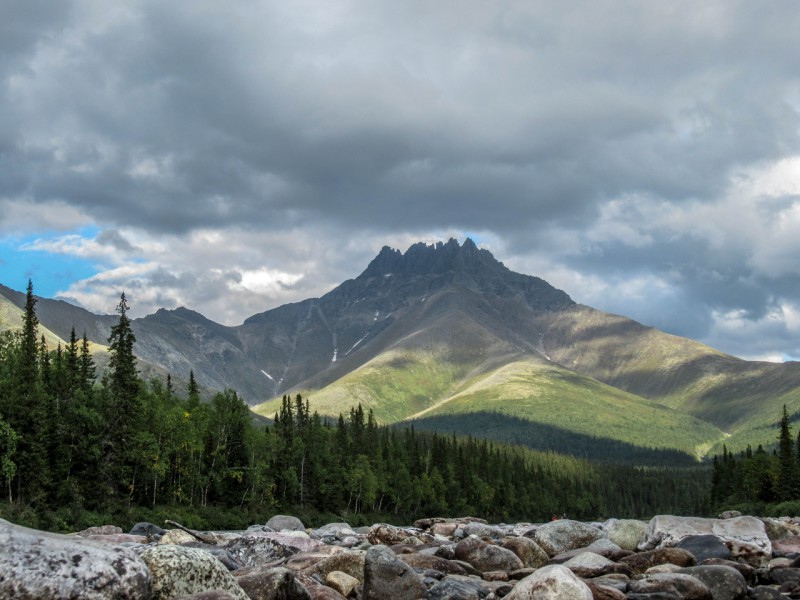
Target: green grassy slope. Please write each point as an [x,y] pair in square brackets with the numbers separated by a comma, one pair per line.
[732,394]
[551,395]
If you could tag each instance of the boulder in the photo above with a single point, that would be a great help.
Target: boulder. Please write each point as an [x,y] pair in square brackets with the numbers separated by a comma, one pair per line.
[703,547]
[176,537]
[285,523]
[604,592]
[350,562]
[788,546]
[528,551]
[458,588]
[181,571]
[209,595]
[102,530]
[44,566]
[273,584]
[625,533]
[487,557]
[725,583]
[560,536]
[553,582]
[588,564]
[385,576]
[147,529]
[432,562]
[746,537]
[679,585]
[268,547]
[389,535]
[342,582]
[639,563]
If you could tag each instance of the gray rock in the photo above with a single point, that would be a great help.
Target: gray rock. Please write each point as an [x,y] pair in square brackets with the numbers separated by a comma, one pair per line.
[436,563]
[678,584]
[705,546]
[560,536]
[147,529]
[764,592]
[589,564]
[221,554]
[487,557]
[209,595]
[528,551]
[272,584]
[35,565]
[350,562]
[639,563]
[181,571]
[553,582]
[451,588]
[285,523]
[102,530]
[745,536]
[385,576]
[266,548]
[725,583]
[337,530]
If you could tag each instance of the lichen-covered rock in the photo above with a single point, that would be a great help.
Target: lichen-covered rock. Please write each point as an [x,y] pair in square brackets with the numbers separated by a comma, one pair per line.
[181,571]
[176,537]
[553,582]
[625,533]
[487,557]
[385,576]
[560,536]
[342,582]
[35,565]
[746,537]
[528,551]
[285,523]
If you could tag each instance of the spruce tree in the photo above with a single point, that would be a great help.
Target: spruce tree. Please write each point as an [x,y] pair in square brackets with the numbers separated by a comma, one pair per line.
[786,484]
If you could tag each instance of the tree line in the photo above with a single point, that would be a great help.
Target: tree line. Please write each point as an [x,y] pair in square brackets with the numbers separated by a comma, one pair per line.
[115,442]
[756,479]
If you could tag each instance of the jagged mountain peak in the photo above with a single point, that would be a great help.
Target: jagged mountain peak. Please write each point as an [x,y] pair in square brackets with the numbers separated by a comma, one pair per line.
[441,257]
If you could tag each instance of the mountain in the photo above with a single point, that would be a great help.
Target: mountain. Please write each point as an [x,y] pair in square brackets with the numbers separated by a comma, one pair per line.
[447,336]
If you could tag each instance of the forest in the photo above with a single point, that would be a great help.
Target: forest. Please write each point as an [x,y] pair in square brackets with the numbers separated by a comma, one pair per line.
[80,449]
[760,482]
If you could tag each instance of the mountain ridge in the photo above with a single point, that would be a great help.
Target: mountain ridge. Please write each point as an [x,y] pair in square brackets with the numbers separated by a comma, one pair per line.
[416,329]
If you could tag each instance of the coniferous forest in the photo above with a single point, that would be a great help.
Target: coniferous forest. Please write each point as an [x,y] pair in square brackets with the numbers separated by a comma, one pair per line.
[78,449]
[760,482]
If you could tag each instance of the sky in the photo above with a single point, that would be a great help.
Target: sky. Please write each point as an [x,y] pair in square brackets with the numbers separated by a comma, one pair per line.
[231,157]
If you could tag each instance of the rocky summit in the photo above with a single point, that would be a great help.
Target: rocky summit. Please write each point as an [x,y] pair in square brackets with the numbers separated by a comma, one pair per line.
[435,559]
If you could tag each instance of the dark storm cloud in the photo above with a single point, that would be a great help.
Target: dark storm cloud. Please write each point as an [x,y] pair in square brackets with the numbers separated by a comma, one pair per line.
[523,120]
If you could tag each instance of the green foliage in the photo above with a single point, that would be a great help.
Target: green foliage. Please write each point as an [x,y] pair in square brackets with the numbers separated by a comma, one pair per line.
[121,450]
[767,479]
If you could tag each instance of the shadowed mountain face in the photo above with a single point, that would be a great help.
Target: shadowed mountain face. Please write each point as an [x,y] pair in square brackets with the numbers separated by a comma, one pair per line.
[446,329]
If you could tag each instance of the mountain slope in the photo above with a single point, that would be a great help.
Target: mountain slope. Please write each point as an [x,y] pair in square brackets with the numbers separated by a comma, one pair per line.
[446,330]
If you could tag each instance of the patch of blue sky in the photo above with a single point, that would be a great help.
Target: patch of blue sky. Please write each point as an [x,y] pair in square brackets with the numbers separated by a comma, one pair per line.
[50,272]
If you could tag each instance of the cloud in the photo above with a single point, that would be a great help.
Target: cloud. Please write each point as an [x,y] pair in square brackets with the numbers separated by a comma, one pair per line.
[645,154]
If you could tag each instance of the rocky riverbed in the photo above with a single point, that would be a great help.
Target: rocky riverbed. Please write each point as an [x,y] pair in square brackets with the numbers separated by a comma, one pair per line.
[437,559]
